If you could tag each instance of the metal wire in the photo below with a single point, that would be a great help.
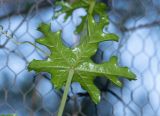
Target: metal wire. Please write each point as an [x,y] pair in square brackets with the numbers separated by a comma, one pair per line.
[29,94]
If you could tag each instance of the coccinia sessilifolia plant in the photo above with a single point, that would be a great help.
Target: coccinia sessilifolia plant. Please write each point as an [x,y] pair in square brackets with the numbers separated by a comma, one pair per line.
[67,65]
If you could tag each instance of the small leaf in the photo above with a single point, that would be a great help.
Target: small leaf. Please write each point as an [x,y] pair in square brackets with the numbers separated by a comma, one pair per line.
[69,8]
[81,26]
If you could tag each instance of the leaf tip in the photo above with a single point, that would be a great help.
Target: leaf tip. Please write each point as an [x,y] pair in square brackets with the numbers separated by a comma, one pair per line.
[97,100]
[43,27]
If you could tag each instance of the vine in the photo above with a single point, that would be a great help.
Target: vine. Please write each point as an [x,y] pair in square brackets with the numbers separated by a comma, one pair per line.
[67,65]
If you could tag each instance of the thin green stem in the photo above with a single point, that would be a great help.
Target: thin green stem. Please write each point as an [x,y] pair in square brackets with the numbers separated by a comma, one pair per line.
[66,90]
[90,11]
[92,4]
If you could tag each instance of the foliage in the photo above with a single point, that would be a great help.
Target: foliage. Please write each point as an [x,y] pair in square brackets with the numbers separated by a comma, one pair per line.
[77,60]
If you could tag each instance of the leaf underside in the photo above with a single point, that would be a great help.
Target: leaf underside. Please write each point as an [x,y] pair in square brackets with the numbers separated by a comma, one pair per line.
[62,58]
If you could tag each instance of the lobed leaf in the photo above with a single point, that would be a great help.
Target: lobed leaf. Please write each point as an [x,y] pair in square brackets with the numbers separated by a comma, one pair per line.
[62,58]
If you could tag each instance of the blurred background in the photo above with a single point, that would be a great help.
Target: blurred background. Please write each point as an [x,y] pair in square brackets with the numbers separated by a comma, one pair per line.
[26,93]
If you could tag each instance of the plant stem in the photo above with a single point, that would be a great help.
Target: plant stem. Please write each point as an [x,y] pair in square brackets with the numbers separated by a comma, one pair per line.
[71,72]
[92,4]
[64,98]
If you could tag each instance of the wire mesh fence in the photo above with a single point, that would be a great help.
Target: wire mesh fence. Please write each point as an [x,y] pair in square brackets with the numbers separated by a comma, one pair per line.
[25,93]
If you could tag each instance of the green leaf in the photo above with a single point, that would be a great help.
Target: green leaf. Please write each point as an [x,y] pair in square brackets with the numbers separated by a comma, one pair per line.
[69,8]
[81,26]
[62,59]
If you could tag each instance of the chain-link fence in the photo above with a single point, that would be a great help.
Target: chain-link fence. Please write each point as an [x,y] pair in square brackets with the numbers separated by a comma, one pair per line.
[25,93]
